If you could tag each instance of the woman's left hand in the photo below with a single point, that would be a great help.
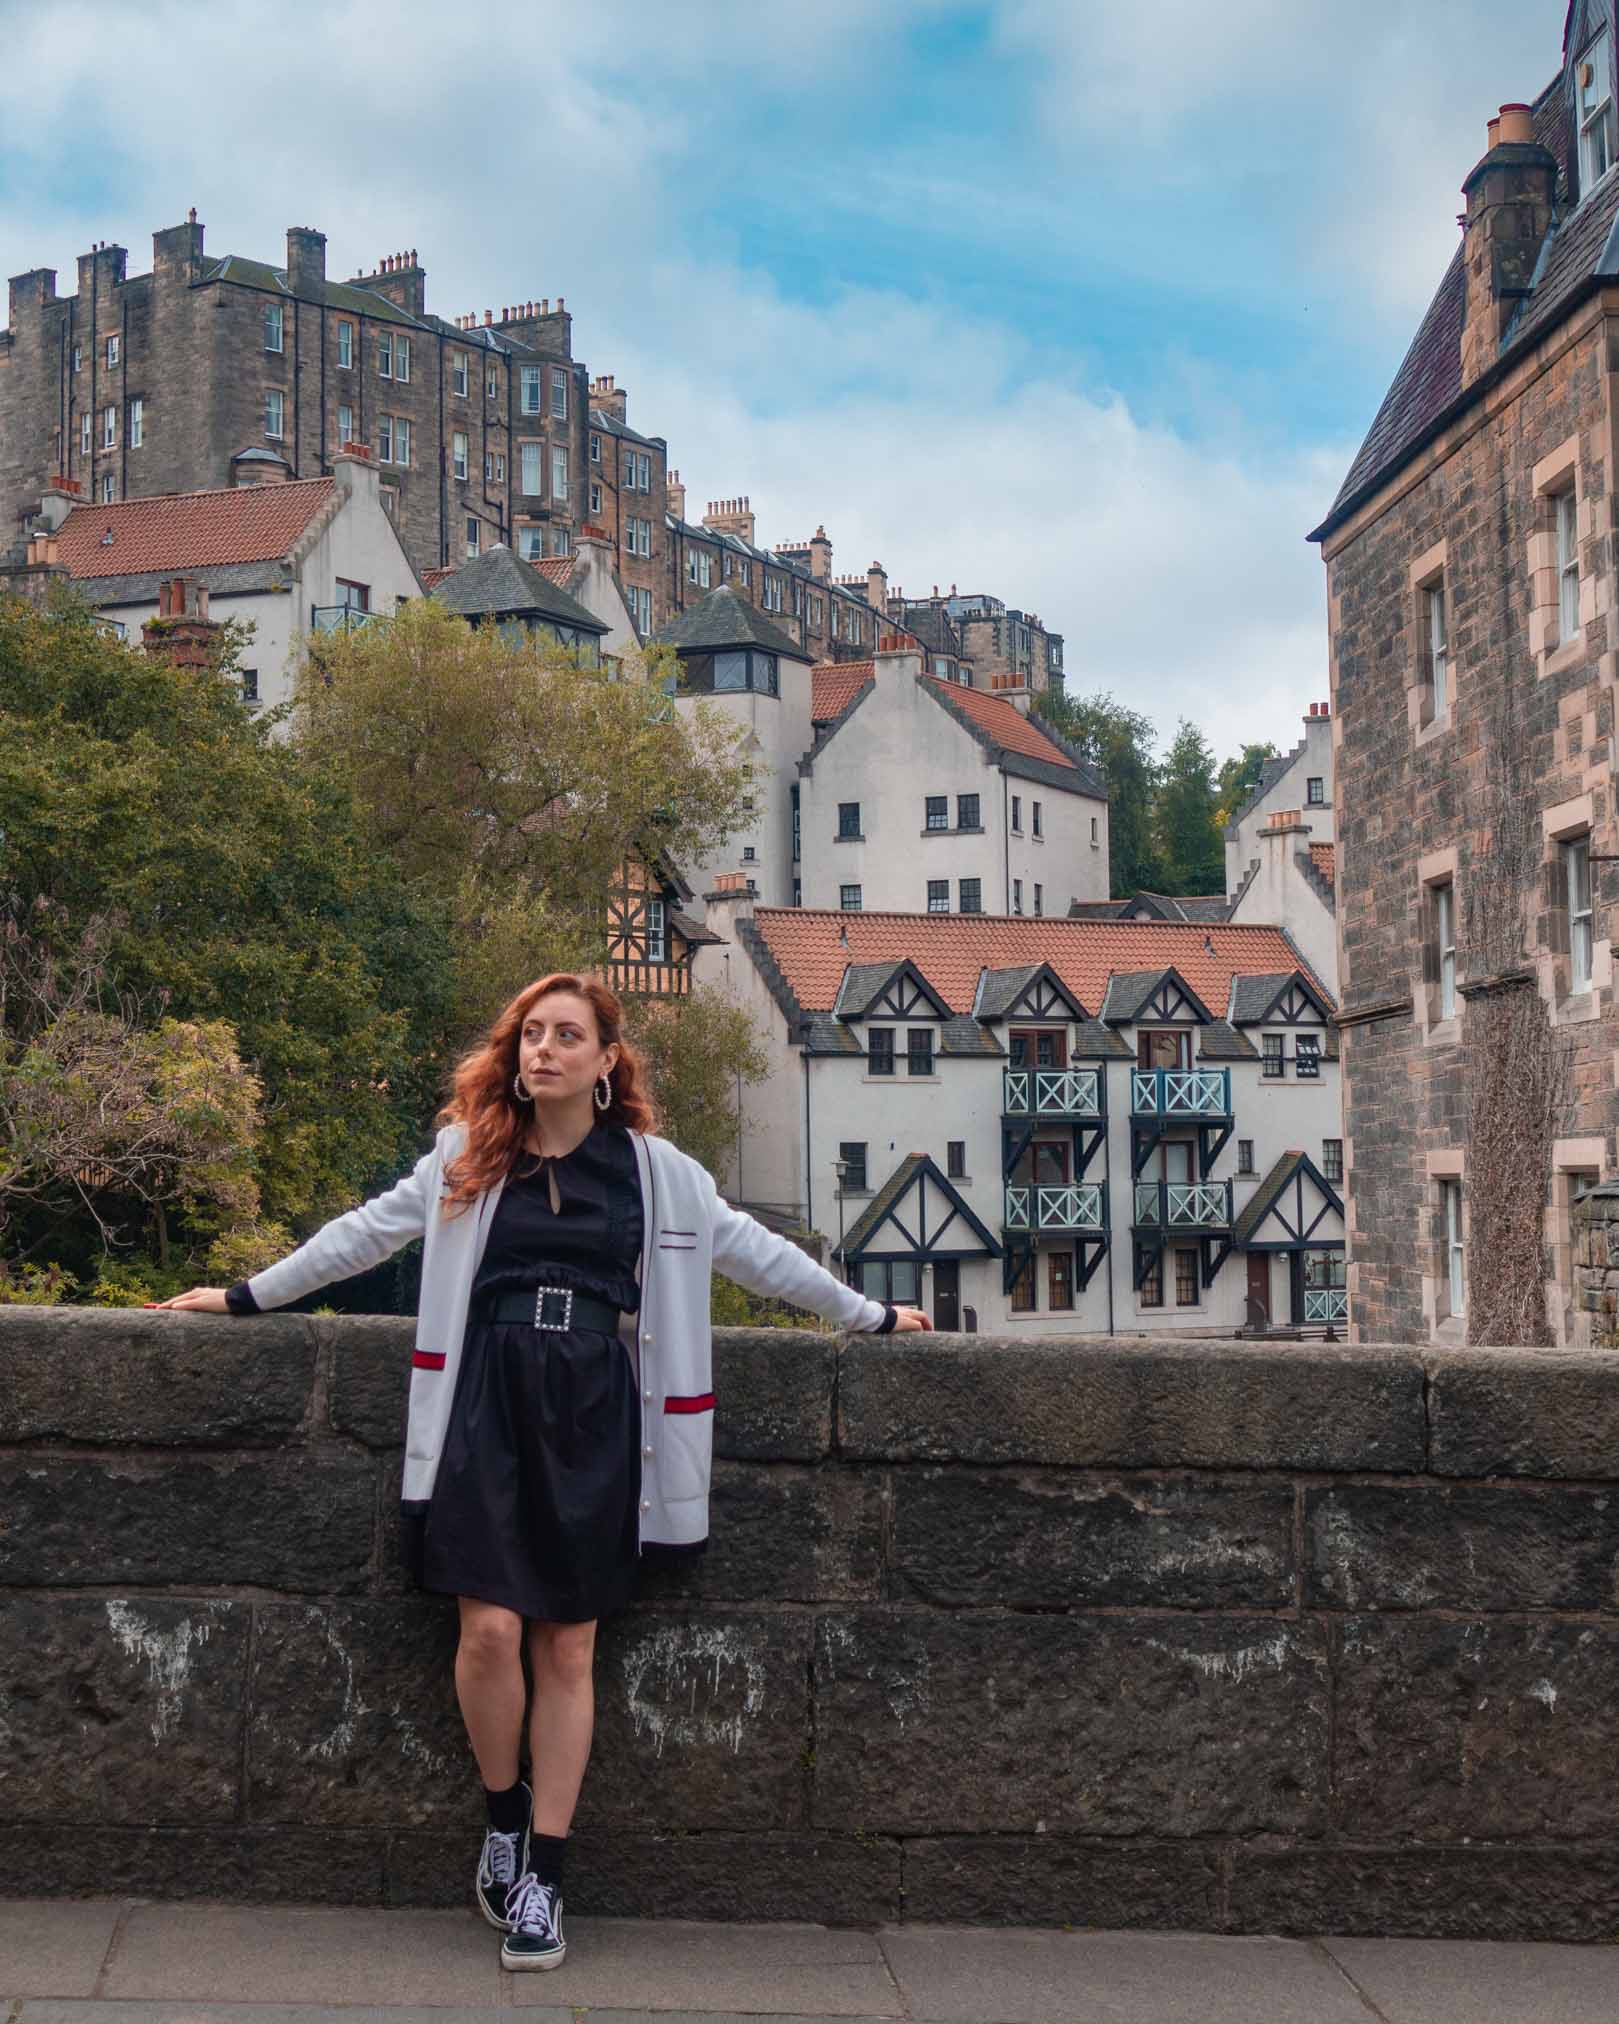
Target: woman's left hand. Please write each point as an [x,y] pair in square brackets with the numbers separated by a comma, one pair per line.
[907,1318]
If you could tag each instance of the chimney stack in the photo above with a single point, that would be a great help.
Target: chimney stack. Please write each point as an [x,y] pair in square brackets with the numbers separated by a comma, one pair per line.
[1509,212]
[675,495]
[182,633]
[877,589]
[820,553]
[731,516]
[306,262]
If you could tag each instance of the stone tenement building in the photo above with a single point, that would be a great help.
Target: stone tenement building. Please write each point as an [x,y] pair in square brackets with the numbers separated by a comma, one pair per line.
[215,371]
[1470,572]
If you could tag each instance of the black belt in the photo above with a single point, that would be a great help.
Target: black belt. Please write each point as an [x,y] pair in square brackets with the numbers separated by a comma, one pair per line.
[551,1307]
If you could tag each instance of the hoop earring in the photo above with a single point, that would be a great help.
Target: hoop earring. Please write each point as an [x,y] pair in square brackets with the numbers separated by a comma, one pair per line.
[603,1102]
[523,1095]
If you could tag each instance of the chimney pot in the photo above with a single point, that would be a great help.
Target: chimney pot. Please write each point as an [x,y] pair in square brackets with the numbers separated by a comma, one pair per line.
[1492,133]
[1517,127]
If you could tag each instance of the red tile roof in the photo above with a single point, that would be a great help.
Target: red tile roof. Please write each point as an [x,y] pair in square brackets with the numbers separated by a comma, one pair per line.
[1004,722]
[951,949]
[559,568]
[1324,856]
[191,530]
[432,578]
[832,684]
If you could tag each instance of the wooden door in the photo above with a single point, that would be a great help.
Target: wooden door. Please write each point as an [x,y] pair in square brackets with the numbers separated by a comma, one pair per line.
[1259,1286]
[947,1293]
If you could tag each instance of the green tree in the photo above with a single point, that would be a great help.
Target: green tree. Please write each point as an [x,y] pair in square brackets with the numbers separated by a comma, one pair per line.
[238,888]
[503,760]
[1120,743]
[1188,838]
[1239,778]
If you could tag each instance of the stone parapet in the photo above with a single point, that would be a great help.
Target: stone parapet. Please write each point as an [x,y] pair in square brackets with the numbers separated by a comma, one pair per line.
[1226,1636]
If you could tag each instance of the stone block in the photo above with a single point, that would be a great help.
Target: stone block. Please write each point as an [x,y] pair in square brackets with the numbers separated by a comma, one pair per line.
[1041,1724]
[276,1865]
[1461,1549]
[121,1709]
[1429,1893]
[287,1521]
[90,1374]
[370,1375]
[783,1533]
[1049,1538]
[354,1717]
[1483,1731]
[1543,1412]
[830,1879]
[701,1721]
[773,1390]
[1126,1404]
[1052,1880]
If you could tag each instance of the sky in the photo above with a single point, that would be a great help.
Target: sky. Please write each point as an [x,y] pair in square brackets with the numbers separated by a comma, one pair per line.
[1084,306]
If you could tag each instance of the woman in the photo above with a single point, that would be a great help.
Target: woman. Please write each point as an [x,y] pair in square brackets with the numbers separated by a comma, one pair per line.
[561,1395]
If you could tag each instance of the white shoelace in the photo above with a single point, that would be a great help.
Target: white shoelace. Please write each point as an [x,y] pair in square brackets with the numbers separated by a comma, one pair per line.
[500,1854]
[530,1905]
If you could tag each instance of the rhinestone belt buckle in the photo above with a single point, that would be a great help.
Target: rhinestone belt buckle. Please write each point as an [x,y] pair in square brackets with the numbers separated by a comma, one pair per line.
[562,1293]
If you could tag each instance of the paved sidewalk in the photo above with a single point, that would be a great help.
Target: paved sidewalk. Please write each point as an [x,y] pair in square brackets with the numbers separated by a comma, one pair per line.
[129,1961]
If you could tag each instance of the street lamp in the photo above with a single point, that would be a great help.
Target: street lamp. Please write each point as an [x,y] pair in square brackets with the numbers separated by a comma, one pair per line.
[840,1169]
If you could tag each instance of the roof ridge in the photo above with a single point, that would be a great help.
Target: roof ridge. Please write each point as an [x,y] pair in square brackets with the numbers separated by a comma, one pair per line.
[199,492]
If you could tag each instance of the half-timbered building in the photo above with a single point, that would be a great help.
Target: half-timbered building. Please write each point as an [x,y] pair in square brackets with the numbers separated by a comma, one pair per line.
[1046,1126]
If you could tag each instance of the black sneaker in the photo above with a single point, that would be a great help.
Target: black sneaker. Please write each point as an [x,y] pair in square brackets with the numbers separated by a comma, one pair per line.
[502,1862]
[534,1916]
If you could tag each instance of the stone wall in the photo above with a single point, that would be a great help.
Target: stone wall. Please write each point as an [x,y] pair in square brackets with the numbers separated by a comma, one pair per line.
[1227,1636]
[1595,1221]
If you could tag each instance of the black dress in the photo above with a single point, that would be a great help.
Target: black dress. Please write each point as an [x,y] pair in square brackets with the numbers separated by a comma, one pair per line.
[534,1502]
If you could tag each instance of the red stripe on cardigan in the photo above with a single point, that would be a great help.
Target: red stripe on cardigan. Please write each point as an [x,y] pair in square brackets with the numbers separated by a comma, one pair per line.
[428,1359]
[695,1402]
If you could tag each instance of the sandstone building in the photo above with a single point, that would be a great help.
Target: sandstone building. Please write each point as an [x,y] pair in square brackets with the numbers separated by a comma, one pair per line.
[1470,575]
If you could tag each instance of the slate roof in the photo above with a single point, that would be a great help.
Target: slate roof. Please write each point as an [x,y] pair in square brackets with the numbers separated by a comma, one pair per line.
[1128,992]
[809,949]
[998,989]
[1581,249]
[183,532]
[1168,907]
[1265,1197]
[833,685]
[899,1182]
[610,425]
[500,582]
[335,294]
[726,619]
[1219,1041]
[1253,996]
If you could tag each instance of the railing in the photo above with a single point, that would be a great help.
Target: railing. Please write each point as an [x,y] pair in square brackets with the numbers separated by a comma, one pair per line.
[343,618]
[1056,1205]
[1326,1303]
[1180,1092]
[1053,1092]
[1183,1205]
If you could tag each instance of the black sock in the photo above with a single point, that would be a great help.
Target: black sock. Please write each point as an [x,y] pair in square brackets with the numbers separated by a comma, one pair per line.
[508,1810]
[545,1853]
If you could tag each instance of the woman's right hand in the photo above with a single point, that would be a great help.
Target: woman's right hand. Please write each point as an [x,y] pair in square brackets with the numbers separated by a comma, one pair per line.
[200,1300]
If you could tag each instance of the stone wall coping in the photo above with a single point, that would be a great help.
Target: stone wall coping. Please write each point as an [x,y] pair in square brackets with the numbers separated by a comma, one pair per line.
[796,1395]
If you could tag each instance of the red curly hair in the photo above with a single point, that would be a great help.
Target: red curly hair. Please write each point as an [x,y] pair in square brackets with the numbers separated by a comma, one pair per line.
[483,1099]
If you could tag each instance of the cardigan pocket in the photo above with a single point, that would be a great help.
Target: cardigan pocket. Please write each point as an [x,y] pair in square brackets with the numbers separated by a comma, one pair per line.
[688,1449]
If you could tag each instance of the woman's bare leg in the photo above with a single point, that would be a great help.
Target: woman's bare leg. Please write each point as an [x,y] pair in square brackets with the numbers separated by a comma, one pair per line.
[562,1719]
[490,1687]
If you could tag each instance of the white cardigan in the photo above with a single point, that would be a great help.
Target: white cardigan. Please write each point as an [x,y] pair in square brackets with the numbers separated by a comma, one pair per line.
[686,1231]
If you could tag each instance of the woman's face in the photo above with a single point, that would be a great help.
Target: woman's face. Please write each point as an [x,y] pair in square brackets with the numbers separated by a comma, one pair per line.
[559,1052]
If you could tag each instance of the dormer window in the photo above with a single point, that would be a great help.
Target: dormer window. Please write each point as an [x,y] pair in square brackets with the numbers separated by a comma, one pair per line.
[1593,77]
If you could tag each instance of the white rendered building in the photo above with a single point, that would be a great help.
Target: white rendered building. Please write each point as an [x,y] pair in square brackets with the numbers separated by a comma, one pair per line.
[291,558]
[1048,1126]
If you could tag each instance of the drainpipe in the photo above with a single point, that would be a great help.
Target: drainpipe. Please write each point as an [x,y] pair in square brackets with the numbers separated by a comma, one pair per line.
[1107,1157]
[1006,846]
[297,382]
[809,1184]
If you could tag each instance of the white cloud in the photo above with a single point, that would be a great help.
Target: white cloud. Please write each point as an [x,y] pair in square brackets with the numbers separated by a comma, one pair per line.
[572,151]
